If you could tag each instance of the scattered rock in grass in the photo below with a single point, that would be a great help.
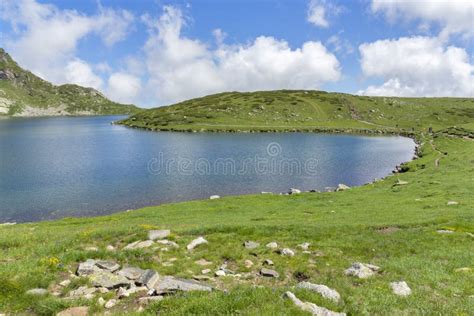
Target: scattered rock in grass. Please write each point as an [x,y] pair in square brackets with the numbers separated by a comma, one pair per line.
[269,273]
[342,187]
[294,191]
[203,262]
[167,243]
[287,252]
[311,307]
[220,273]
[110,248]
[103,290]
[304,246]
[37,292]
[149,299]
[322,289]
[248,264]
[101,301]
[110,303]
[206,271]
[196,242]
[464,269]
[122,292]
[158,234]
[149,278]
[400,288]
[444,231]
[87,267]
[201,277]
[108,280]
[362,270]
[65,283]
[169,285]
[91,249]
[82,291]
[139,245]
[107,265]
[272,245]
[452,203]
[214,197]
[251,244]
[74,311]
[268,262]
[400,182]
[131,273]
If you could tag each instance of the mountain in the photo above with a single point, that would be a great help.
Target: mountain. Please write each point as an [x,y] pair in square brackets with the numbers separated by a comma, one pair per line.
[24,94]
[288,110]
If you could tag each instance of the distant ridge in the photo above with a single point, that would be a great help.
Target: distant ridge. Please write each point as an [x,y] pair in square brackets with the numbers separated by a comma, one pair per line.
[24,94]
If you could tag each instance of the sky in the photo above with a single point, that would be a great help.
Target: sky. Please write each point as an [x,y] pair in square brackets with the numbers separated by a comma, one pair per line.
[156,52]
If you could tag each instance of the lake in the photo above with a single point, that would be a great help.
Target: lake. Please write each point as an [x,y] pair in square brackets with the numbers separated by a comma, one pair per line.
[81,166]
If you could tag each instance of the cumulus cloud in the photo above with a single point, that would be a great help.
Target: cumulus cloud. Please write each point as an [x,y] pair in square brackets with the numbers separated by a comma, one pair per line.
[319,12]
[45,38]
[123,87]
[340,45]
[181,68]
[417,66]
[453,16]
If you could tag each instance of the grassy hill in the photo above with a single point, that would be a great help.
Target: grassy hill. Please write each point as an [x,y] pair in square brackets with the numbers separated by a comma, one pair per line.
[286,110]
[24,94]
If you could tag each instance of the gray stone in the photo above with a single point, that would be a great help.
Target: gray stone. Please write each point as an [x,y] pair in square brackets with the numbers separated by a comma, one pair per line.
[287,252]
[220,273]
[268,262]
[311,308]
[251,244]
[131,273]
[65,283]
[139,245]
[101,301]
[269,273]
[108,280]
[86,268]
[248,264]
[110,248]
[158,234]
[82,291]
[342,187]
[122,292]
[149,299]
[362,270]
[201,277]
[167,242]
[149,278]
[107,265]
[110,303]
[304,246]
[400,288]
[203,262]
[272,245]
[325,291]
[170,284]
[74,311]
[37,292]
[206,271]
[196,242]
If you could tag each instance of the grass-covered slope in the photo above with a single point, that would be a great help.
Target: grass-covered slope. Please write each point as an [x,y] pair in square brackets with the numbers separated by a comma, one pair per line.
[24,94]
[304,110]
[392,226]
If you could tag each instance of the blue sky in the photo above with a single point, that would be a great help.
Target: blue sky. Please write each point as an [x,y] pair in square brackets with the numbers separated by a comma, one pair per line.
[158,52]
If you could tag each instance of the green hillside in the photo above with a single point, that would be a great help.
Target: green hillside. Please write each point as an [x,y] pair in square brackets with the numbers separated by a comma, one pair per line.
[24,94]
[305,110]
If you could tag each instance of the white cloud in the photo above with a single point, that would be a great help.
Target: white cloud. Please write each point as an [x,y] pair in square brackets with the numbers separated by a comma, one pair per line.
[181,68]
[79,72]
[417,66]
[123,87]
[339,45]
[453,16]
[319,12]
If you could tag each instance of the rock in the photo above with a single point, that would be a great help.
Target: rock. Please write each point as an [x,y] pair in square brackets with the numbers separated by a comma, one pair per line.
[342,187]
[86,268]
[101,301]
[203,262]
[400,288]
[149,278]
[311,308]
[322,289]
[220,273]
[287,252]
[268,262]
[196,242]
[272,245]
[135,289]
[139,245]
[206,271]
[131,273]
[452,203]
[171,284]
[82,291]
[269,273]
[37,292]
[107,265]
[304,246]
[108,280]
[158,234]
[121,293]
[149,299]
[167,242]
[103,290]
[294,191]
[91,248]
[463,269]
[110,248]
[251,244]
[444,231]
[362,270]
[65,283]
[110,303]
[213,197]
[248,264]
[201,277]
[74,311]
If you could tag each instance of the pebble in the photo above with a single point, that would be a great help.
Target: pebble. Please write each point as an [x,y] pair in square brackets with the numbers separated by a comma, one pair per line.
[269,273]
[248,264]
[196,242]
[400,288]
[287,252]
[272,245]
[304,246]
[110,303]
[268,262]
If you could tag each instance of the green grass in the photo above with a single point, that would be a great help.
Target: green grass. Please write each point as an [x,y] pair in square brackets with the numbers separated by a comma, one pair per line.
[344,227]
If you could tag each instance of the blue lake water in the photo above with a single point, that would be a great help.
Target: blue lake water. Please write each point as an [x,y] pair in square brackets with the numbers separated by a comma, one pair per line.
[78,166]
